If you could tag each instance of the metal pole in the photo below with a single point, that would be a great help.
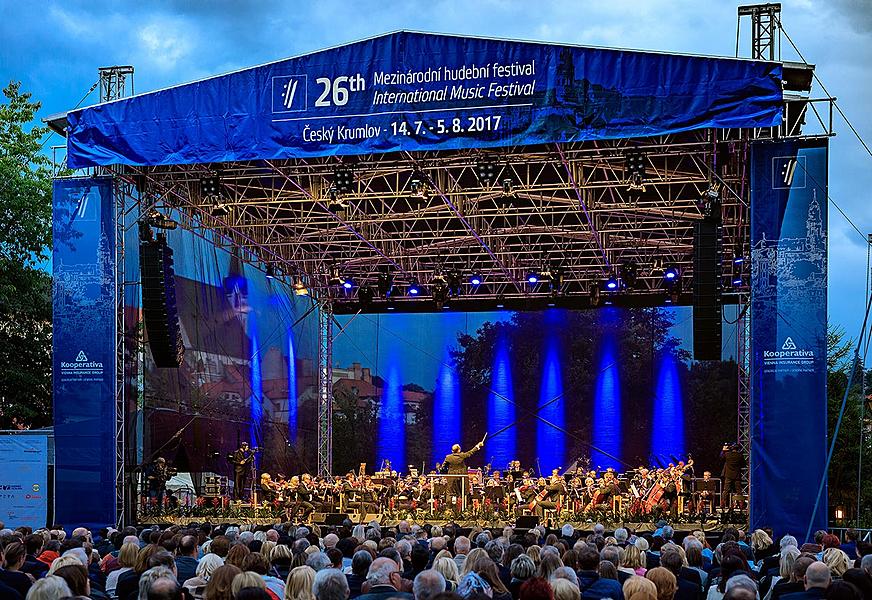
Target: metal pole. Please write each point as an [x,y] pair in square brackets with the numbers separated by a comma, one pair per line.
[863,393]
[325,389]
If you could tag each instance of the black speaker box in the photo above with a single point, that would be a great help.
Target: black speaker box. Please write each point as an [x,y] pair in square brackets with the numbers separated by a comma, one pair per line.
[335,518]
[707,307]
[159,309]
[527,522]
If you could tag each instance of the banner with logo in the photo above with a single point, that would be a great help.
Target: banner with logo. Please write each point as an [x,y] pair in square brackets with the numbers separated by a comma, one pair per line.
[409,91]
[788,334]
[23,480]
[83,350]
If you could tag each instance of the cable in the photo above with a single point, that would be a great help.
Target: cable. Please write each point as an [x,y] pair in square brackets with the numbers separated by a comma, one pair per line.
[835,436]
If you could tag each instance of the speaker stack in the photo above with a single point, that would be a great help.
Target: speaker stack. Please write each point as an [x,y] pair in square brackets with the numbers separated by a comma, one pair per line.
[159,301]
[707,307]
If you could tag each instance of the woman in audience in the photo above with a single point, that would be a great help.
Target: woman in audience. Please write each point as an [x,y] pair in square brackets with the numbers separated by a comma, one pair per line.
[128,583]
[693,557]
[522,569]
[237,555]
[837,561]
[299,584]
[547,565]
[762,545]
[448,568]
[281,558]
[488,571]
[76,577]
[607,570]
[638,587]
[196,585]
[731,565]
[126,561]
[664,581]
[245,580]
[634,559]
[842,590]
[473,561]
[14,556]
[565,590]
[221,583]
[534,553]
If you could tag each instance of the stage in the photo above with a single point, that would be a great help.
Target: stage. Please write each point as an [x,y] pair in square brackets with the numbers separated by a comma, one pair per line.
[574,267]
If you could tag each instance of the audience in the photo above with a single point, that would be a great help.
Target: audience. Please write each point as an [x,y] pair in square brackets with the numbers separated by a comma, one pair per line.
[423,562]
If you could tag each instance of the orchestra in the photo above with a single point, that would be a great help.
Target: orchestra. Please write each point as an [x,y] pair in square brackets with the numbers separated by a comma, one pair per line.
[456,490]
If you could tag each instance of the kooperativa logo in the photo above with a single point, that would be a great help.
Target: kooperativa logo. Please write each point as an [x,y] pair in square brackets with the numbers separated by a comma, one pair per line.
[289,93]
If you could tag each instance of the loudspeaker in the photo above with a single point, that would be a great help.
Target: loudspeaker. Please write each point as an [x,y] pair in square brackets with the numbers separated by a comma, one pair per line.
[159,310]
[707,307]
[335,518]
[527,522]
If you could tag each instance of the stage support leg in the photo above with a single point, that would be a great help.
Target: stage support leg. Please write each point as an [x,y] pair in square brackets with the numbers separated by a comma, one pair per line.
[743,358]
[121,489]
[325,389]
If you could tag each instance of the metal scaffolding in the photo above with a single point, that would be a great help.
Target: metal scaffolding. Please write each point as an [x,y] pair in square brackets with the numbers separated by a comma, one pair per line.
[325,389]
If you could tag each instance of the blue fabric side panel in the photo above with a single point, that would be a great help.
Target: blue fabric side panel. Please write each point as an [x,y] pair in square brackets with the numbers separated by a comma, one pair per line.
[83,351]
[412,91]
[788,335]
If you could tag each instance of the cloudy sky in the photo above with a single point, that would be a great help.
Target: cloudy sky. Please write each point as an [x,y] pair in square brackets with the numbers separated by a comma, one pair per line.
[54,48]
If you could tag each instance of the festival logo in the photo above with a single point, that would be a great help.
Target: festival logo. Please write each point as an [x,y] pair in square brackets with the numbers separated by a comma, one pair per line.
[289,93]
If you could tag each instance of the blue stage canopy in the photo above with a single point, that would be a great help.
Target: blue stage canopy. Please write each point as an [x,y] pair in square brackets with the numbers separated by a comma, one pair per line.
[418,91]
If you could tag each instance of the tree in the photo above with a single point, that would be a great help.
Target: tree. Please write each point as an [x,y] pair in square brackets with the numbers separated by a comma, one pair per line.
[25,288]
[842,474]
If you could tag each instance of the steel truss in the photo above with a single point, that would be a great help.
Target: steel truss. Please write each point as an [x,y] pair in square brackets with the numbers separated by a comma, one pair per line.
[325,390]
[567,209]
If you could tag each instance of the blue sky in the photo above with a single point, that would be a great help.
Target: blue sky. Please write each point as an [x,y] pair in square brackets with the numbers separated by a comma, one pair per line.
[54,48]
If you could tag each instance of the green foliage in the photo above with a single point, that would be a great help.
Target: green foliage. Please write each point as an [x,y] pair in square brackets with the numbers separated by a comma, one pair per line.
[843,480]
[25,289]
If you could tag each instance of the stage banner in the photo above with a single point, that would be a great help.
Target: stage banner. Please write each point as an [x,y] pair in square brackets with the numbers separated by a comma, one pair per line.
[417,91]
[23,480]
[83,350]
[788,335]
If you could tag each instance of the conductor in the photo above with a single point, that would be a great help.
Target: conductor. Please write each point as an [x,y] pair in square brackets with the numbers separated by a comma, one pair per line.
[455,463]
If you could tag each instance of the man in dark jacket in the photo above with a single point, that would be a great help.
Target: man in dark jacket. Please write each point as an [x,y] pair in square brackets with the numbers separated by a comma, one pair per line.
[687,590]
[186,559]
[385,580]
[817,580]
[591,585]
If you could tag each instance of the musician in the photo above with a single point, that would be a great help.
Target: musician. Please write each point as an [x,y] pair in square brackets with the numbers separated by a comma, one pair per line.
[706,488]
[456,465]
[241,459]
[550,496]
[156,477]
[300,495]
[269,490]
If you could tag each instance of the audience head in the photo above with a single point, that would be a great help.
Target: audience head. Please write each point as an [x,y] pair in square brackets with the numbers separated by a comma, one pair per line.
[76,576]
[638,585]
[243,580]
[843,590]
[536,588]
[665,582]
[330,584]
[565,590]
[427,584]
[221,582]
[817,575]
[50,587]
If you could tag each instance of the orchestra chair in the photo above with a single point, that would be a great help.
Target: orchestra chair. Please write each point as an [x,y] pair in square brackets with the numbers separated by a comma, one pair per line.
[617,504]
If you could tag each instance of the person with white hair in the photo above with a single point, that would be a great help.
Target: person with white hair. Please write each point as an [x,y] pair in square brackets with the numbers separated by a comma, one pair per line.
[155,581]
[427,584]
[599,530]
[330,584]
[565,573]
[318,560]
[621,536]
[196,586]
[51,587]
[461,549]
[385,579]
[568,533]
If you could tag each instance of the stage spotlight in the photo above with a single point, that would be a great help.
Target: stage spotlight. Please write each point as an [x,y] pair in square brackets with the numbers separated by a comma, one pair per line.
[594,293]
[270,271]
[501,303]
[476,279]
[336,277]
[634,164]
[299,287]
[487,172]
[737,281]
[210,186]
[159,221]
[671,274]
[454,286]
[385,284]
[413,289]
[418,183]
[611,284]
[508,186]
[630,274]
[739,260]
[343,180]
[347,284]
[365,296]
[710,202]
[336,204]
[532,278]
